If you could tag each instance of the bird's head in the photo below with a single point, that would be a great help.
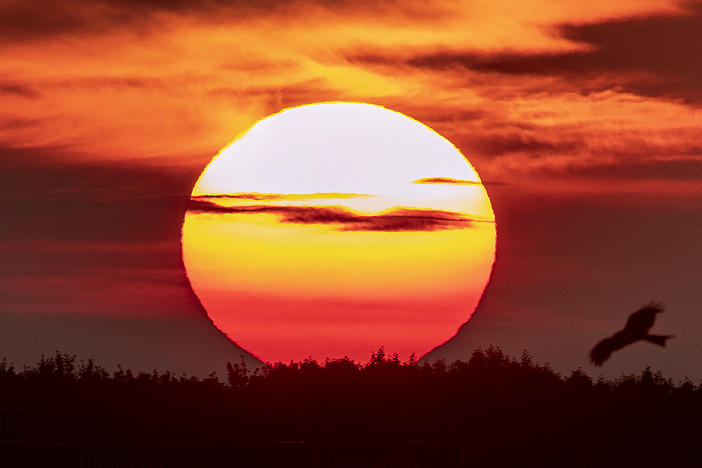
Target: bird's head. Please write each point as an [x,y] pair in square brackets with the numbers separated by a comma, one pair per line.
[654,307]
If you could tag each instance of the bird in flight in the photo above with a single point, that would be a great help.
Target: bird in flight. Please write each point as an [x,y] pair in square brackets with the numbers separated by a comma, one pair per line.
[636,329]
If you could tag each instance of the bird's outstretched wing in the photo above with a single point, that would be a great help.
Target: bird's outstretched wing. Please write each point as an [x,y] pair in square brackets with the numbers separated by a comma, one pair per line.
[641,321]
[604,349]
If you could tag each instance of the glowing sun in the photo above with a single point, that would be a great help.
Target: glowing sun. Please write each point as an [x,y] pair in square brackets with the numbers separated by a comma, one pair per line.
[329,230]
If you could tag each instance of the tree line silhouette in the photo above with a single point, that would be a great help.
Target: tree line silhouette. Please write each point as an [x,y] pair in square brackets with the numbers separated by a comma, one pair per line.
[504,411]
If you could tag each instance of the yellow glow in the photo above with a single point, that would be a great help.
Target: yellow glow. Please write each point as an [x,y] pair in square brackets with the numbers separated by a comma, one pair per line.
[327,263]
[331,216]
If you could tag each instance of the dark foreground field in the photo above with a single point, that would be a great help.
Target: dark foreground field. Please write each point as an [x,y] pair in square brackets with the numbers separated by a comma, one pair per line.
[490,411]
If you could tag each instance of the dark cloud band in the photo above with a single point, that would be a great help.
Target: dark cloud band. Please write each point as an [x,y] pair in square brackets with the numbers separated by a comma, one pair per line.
[446,180]
[281,196]
[654,56]
[395,220]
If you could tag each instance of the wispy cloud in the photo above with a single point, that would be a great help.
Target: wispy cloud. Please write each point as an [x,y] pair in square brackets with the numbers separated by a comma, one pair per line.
[30,21]
[395,220]
[528,93]
[655,56]
[18,89]
[445,180]
[283,196]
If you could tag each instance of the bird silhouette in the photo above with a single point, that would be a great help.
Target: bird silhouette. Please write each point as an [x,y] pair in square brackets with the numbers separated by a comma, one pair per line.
[636,329]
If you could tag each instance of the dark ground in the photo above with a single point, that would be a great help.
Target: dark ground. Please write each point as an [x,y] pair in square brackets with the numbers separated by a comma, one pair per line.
[490,411]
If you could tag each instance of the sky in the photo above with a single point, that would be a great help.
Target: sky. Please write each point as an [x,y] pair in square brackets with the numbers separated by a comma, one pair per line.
[582,118]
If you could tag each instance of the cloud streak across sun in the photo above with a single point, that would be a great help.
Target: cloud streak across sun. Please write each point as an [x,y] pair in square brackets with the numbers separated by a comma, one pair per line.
[445,180]
[393,220]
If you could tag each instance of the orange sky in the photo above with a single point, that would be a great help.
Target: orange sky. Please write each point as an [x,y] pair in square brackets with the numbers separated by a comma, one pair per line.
[109,111]
[530,91]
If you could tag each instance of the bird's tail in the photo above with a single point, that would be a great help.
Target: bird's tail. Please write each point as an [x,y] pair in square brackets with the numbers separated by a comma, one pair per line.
[658,339]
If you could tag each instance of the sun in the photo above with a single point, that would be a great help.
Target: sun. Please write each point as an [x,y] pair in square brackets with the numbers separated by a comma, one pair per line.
[331,229]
